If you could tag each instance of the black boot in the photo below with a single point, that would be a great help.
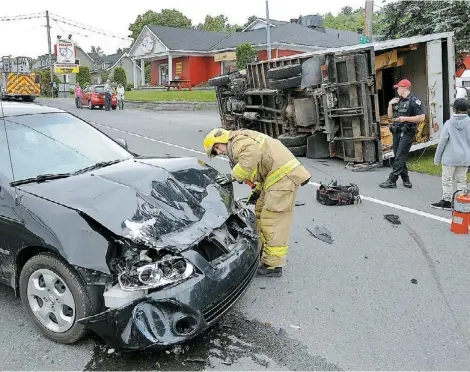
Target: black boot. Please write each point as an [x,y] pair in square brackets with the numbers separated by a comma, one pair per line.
[266,271]
[407,184]
[388,185]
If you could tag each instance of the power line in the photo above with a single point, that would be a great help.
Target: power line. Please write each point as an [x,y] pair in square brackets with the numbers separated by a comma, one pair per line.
[20,18]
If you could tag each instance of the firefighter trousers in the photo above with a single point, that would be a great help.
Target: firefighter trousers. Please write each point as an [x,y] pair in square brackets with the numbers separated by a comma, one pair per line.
[274,213]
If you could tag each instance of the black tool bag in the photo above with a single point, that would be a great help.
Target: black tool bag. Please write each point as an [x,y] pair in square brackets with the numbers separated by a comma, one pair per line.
[334,194]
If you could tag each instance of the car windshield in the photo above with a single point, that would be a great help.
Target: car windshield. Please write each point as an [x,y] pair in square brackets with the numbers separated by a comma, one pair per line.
[99,89]
[53,143]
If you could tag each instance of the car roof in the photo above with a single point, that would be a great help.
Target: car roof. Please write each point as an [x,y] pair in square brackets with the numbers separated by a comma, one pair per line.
[20,108]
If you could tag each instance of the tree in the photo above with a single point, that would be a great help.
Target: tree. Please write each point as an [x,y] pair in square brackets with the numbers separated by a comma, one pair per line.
[347,10]
[347,19]
[167,17]
[411,18]
[245,54]
[250,20]
[119,76]
[104,75]
[45,86]
[148,74]
[217,24]
[97,50]
[122,50]
[83,76]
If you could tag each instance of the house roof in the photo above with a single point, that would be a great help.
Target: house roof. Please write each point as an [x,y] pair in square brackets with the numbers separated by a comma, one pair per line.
[272,22]
[186,38]
[288,33]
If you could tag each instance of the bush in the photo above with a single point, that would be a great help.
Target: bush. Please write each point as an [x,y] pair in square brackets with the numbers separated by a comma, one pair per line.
[46,89]
[83,76]
[119,76]
[129,87]
[245,54]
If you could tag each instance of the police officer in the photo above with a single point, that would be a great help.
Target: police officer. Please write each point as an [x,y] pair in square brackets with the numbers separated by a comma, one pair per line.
[407,111]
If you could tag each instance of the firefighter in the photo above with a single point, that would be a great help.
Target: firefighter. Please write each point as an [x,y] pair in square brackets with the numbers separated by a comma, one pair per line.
[265,162]
[407,111]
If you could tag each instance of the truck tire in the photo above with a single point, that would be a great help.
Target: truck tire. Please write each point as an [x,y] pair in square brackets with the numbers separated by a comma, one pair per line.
[219,81]
[293,82]
[299,151]
[289,140]
[284,72]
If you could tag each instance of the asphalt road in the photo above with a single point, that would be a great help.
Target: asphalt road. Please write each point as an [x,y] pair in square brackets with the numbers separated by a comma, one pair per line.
[380,297]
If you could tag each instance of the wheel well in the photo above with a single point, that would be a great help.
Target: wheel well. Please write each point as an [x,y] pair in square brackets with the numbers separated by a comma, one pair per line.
[22,257]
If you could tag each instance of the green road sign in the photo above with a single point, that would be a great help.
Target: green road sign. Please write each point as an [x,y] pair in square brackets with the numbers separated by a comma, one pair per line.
[364,40]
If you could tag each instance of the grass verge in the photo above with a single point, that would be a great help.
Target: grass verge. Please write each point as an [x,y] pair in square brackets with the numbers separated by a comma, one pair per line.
[422,161]
[167,96]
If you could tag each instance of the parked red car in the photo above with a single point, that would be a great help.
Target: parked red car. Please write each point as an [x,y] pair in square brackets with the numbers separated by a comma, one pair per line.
[93,96]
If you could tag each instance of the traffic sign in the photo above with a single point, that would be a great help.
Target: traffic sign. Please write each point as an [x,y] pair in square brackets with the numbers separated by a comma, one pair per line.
[363,40]
[66,68]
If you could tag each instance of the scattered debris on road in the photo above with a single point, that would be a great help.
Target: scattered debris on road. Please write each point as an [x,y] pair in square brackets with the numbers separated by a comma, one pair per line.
[393,218]
[299,203]
[414,281]
[296,327]
[334,194]
[321,233]
[280,331]
[362,167]
[195,360]
[110,351]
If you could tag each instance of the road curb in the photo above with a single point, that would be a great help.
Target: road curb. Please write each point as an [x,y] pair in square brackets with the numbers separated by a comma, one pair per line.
[170,105]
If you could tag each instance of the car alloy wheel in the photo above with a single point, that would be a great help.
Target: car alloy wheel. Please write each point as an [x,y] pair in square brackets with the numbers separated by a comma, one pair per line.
[51,301]
[90,106]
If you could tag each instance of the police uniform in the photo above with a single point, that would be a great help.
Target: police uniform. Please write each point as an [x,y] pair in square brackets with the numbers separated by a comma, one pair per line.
[404,135]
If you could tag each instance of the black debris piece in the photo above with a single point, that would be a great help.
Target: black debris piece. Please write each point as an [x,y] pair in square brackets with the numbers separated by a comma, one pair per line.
[299,203]
[195,360]
[321,233]
[334,194]
[393,218]
[414,281]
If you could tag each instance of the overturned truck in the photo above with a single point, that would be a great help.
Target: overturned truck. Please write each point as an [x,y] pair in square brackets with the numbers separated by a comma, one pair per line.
[333,102]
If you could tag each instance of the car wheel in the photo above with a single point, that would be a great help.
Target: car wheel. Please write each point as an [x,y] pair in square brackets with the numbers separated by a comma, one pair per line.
[90,106]
[293,140]
[55,297]
[293,82]
[284,72]
[101,107]
[219,81]
[299,151]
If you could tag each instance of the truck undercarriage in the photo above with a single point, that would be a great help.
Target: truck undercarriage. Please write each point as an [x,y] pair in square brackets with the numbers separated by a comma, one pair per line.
[320,106]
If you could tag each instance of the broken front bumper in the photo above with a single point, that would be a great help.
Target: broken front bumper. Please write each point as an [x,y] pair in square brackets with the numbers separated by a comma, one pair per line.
[181,311]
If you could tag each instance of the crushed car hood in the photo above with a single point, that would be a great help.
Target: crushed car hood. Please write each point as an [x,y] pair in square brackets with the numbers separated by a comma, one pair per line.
[155,202]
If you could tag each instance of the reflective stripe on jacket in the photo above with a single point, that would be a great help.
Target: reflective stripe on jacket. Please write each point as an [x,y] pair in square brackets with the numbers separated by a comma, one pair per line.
[263,160]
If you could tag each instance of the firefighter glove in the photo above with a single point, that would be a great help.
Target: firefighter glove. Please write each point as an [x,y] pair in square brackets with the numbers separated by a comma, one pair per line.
[253,197]
[224,179]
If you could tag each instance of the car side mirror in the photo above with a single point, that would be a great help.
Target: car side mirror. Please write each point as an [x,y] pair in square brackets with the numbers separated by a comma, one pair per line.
[122,142]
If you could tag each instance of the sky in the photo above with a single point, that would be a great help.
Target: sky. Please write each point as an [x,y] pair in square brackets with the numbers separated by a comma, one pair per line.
[29,37]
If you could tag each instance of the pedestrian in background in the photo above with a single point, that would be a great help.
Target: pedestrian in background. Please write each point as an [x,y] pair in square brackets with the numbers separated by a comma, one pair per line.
[108,94]
[120,96]
[453,151]
[407,112]
[78,95]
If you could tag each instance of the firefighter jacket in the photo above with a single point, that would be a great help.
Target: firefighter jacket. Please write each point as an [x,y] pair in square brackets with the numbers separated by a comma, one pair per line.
[263,160]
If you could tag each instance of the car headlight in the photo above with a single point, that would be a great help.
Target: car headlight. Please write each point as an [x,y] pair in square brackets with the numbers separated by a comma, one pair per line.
[168,270]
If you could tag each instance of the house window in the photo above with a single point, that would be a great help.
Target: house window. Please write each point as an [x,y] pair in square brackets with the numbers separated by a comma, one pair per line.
[77,62]
[229,66]
[96,66]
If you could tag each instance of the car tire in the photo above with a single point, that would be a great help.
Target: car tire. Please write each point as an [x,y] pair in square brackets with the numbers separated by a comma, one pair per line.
[284,72]
[59,275]
[219,81]
[90,105]
[289,140]
[101,107]
[293,82]
[299,151]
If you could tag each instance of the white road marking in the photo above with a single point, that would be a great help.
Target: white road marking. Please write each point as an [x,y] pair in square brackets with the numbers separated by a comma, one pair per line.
[364,197]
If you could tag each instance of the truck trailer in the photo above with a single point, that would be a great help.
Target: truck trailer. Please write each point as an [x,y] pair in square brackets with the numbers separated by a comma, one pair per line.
[332,103]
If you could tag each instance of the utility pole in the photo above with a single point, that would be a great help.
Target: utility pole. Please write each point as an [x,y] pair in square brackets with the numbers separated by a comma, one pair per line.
[50,51]
[368,20]
[268,32]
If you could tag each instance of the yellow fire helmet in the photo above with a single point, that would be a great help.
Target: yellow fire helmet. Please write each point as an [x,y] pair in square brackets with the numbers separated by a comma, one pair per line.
[217,135]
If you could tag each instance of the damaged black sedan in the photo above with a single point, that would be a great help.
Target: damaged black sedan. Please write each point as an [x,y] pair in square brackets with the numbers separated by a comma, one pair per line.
[143,251]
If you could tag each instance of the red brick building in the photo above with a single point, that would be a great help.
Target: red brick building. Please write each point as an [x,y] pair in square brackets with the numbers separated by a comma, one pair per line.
[197,56]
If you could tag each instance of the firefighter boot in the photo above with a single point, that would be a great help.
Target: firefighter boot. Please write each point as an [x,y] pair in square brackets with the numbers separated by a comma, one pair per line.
[388,184]
[267,271]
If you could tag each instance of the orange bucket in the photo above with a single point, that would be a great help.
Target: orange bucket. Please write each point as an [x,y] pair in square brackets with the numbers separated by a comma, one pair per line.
[460,214]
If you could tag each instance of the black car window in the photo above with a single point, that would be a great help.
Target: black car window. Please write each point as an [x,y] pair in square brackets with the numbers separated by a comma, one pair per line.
[56,143]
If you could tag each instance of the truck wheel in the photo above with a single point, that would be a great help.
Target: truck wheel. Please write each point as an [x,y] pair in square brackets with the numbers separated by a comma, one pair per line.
[293,140]
[293,82]
[284,72]
[299,151]
[219,81]
[55,298]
